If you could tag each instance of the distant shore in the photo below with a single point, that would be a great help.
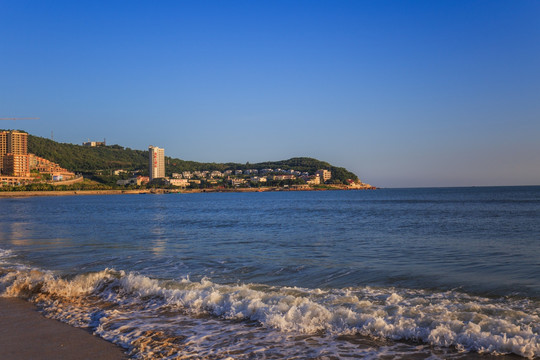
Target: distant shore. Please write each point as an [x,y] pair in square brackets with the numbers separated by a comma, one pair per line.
[15,194]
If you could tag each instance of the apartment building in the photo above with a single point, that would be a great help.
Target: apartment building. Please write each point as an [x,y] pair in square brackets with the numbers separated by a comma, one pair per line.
[45,166]
[3,149]
[17,143]
[324,174]
[14,143]
[156,162]
[16,165]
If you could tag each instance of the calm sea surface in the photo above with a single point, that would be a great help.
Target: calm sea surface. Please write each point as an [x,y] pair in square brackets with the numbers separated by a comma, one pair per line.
[392,273]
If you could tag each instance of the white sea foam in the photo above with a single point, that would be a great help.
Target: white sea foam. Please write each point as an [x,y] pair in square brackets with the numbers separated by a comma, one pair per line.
[4,254]
[169,318]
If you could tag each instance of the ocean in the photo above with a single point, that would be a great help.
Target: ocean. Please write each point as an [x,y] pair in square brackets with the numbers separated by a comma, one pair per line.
[433,273]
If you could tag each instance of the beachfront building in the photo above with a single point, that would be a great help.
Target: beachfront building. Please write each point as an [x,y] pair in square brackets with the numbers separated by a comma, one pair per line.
[44,166]
[137,180]
[156,162]
[14,159]
[3,148]
[324,174]
[313,180]
[17,143]
[16,165]
[13,142]
[178,182]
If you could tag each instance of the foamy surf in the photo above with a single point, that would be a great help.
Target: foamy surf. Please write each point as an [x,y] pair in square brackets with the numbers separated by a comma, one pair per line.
[187,319]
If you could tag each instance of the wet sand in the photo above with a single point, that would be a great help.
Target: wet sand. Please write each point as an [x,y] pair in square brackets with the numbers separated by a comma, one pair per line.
[26,334]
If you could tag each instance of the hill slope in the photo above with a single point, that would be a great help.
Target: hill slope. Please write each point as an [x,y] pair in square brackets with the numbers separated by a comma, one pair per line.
[84,159]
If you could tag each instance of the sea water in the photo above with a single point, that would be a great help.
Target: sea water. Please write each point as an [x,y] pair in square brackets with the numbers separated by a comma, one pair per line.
[391,273]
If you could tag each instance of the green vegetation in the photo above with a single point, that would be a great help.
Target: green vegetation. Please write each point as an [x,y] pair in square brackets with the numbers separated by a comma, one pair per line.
[84,159]
[89,160]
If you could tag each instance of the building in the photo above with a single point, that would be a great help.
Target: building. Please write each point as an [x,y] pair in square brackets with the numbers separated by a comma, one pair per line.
[258,179]
[237,182]
[16,165]
[94,143]
[138,180]
[3,145]
[283,177]
[15,143]
[156,162]
[187,174]
[44,166]
[313,180]
[3,149]
[15,180]
[324,174]
[178,182]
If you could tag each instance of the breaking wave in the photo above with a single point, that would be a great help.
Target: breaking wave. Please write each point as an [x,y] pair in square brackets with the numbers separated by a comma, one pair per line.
[166,319]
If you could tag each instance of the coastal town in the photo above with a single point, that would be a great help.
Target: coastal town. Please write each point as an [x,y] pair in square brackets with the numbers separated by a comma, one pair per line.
[19,168]
[234,178]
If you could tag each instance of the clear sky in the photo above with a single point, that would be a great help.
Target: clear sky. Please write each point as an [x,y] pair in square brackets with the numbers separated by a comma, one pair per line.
[403,93]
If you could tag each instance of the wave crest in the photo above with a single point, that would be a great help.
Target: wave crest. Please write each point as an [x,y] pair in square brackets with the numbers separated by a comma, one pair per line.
[112,302]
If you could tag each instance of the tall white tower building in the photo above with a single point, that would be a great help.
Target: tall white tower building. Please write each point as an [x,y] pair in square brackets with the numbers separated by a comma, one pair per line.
[157,162]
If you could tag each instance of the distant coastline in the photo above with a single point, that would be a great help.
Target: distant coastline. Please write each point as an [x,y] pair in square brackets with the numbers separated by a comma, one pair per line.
[32,163]
[17,194]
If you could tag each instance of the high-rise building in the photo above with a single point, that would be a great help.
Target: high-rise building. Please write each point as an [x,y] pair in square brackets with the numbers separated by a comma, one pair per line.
[17,143]
[13,142]
[16,165]
[156,162]
[3,142]
[3,148]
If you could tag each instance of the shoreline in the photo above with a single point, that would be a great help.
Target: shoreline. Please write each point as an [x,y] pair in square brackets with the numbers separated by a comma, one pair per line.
[19,194]
[27,334]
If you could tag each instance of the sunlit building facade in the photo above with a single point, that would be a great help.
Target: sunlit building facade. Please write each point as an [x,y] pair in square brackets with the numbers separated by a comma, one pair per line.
[14,143]
[156,162]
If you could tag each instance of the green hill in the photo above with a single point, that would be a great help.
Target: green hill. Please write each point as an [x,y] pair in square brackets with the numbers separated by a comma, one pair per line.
[84,159]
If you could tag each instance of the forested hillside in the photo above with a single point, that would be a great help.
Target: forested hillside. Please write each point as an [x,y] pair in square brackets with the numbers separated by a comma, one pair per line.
[80,158]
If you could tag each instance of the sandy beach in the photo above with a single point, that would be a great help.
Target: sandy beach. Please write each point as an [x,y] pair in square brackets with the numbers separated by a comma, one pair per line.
[26,334]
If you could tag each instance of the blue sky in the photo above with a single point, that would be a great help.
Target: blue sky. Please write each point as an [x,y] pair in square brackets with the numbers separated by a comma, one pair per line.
[403,93]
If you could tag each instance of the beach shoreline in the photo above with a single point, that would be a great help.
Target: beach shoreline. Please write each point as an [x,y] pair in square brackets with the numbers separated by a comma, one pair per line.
[26,334]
